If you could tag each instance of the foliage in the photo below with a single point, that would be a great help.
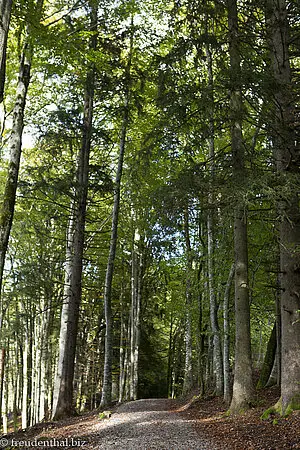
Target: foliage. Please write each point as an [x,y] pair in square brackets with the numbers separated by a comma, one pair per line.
[166,170]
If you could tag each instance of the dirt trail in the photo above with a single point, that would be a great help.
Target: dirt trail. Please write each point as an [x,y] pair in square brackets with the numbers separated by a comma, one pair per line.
[148,424]
[142,424]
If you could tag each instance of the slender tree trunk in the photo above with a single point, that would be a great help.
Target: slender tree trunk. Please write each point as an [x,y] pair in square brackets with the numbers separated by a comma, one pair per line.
[15,139]
[188,372]
[226,324]
[122,343]
[217,352]
[135,313]
[63,388]
[127,361]
[14,146]
[201,346]
[287,154]
[5,13]
[170,358]
[2,367]
[107,377]
[5,407]
[243,385]
[122,360]
[25,384]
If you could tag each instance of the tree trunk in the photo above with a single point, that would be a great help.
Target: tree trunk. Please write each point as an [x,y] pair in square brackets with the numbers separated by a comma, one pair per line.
[226,353]
[243,385]
[278,328]
[122,358]
[5,407]
[268,360]
[25,383]
[287,154]
[122,367]
[107,377]
[5,13]
[2,367]
[170,358]
[217,352]
[63,387]
[188,372]
[15,147]
[135,313]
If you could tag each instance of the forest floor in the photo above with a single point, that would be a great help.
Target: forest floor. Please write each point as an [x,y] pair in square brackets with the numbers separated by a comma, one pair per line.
[192,423]
[248,431]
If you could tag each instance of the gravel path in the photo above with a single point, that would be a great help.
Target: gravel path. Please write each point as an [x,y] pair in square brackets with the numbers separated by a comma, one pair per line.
[147,424]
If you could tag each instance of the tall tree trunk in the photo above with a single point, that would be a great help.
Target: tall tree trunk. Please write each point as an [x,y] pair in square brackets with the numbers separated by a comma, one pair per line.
[136,275]
[107,377]
[15,140]
[25,383]
[226,323]
[15,147]
[122,359]
[287,155]
[127,362]
[2,367]
[217,352]
[15,144]
[5,13]
[243,385]
[63,387]
[170,358]
[122,351]
[188,371]
[5,407]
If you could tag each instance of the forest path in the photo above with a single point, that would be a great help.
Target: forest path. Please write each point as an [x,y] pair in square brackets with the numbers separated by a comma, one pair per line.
[146,424]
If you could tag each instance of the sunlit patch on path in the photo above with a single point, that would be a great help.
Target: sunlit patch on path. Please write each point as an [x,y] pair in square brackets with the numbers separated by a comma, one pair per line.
[147,424]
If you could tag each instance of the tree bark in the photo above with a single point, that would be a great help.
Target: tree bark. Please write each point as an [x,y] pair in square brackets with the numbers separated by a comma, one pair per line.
[2,367]
[214,323]
[226,324]
[122,367]
[136,275]
[5,13]
[287,155]
[188,372]
[15,148]
[25,383]
[243,385]
[268,360]
[63,388]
